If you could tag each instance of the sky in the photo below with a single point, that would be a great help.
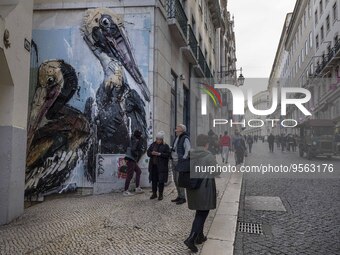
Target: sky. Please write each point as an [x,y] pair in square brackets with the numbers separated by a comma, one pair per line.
[258,27]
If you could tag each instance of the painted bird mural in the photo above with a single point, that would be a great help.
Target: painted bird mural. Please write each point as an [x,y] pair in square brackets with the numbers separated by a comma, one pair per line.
[57,132]
[121,103]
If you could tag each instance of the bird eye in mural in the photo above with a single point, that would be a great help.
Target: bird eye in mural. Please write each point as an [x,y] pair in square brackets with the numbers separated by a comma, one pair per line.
[120,101]
[57,132]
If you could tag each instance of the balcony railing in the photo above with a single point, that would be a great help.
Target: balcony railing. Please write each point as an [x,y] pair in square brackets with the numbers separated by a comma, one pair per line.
[328,58]
[176,11]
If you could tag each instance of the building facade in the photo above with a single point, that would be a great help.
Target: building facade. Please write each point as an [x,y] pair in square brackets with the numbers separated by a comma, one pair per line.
[311,60]
[98,72]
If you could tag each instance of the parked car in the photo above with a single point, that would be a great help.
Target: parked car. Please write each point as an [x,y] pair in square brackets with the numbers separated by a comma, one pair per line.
[317,138]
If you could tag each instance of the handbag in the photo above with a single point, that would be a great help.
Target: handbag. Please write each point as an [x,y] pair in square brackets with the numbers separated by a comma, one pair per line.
[184,181]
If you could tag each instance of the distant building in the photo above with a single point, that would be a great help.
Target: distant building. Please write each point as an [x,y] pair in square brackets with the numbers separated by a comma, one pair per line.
[310,59]
[262,127]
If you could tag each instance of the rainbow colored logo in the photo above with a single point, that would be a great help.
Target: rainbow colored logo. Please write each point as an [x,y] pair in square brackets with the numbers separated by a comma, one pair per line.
[212,93]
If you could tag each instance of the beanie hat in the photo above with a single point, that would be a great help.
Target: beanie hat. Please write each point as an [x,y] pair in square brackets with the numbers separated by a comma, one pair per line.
[160,135]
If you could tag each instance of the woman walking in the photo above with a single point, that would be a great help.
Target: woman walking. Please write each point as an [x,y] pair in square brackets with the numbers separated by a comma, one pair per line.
[159,153]
[203,197]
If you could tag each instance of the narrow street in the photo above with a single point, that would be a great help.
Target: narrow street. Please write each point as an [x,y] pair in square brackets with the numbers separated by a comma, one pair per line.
[309,221]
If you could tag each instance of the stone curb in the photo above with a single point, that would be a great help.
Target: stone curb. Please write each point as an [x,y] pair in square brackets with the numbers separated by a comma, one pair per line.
[222,232]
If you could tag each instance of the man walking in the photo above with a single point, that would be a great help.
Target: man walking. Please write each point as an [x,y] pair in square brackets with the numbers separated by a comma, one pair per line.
[271,140]
[250,142]
[225,145]
[180,159]
[239,147]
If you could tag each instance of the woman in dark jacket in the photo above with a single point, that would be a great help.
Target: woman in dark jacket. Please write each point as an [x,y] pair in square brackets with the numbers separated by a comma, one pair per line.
[202,199]
[159,153]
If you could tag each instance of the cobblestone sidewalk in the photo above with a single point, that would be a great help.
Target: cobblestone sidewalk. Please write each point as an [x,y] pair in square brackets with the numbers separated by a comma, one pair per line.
[104,224]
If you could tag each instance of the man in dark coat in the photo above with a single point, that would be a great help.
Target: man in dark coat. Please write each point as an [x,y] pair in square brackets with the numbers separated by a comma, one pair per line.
[159,153]
[271,140]
[239,147]
[203,198]
[180,159]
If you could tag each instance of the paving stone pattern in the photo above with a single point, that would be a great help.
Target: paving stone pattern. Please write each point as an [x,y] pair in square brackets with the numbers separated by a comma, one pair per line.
[311,224]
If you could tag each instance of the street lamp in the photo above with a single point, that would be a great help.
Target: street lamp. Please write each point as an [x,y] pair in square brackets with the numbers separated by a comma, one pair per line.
[241,78]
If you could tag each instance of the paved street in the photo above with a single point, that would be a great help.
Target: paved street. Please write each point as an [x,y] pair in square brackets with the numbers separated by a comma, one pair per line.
[104,224]
[310,223]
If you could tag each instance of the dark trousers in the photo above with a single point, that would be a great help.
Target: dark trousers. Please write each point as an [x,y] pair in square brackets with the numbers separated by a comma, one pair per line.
[155,181]
[250,145]
[132,167]
[239,156]
[271,147]
[198,223]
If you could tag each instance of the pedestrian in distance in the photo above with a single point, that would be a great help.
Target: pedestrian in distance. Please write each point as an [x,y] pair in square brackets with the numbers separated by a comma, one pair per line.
[159,153]
[239,147]
[213,142]
[283,140]
[250,142]
[277,139]
[201,198]
[180,159]
[225,141]
[132,157]
[271,141]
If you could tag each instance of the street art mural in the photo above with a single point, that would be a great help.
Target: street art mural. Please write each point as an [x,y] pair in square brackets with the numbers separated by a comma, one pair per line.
[120,108]
[89,93]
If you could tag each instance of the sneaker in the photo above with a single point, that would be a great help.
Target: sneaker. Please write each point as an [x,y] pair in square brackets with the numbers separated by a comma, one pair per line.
[127,193]
[138,190]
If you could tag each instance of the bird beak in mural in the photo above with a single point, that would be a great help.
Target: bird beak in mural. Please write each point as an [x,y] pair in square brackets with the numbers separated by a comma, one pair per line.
[50,83]
[108,33]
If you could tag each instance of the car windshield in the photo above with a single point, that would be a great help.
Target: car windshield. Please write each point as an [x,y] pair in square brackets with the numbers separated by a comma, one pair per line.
[319,131]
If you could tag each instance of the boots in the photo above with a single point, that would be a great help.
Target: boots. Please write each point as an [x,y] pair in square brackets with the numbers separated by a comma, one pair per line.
[153,196]
[201,238]
[190,242]
[160,196]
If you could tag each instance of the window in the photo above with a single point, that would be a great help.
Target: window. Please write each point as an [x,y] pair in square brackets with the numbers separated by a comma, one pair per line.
[306,48]
[302,55]
[321,7]
[300,61]
[322,33]
[335,12]
[311,69]
[186,107]
[309,9]
[173,105]
[328,26]
[193,24]
[336,39]
[317,41]
[316,17]
[311,39]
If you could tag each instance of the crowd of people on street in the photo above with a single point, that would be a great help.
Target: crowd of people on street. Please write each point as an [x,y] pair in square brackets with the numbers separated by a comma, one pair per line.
[199,193]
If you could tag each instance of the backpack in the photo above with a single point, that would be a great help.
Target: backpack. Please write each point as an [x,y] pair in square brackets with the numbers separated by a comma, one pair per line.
[137,148]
